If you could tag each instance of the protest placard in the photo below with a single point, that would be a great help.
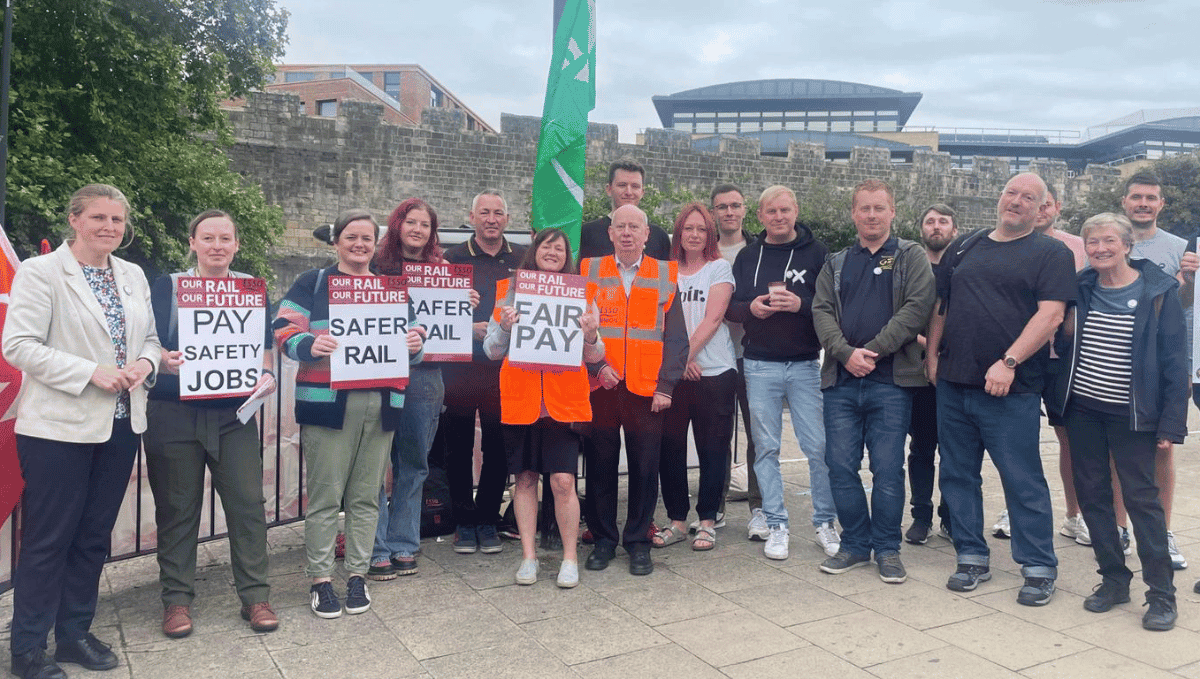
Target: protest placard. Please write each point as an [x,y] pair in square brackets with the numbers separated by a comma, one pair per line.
[441,296]
[222,335]
[368,316]
[547,334]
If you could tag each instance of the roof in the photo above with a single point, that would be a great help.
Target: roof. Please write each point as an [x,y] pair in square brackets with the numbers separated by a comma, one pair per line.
[785,94]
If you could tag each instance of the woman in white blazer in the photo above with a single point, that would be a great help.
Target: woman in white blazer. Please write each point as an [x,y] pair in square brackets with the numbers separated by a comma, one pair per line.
[81,330]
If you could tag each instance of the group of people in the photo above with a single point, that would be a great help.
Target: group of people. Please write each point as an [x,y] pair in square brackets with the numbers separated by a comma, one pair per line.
[956,340]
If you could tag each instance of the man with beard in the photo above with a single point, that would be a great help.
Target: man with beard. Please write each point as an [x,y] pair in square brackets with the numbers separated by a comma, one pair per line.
[938,229]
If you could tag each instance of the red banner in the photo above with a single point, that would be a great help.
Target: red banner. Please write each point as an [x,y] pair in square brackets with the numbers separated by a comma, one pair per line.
[11,482]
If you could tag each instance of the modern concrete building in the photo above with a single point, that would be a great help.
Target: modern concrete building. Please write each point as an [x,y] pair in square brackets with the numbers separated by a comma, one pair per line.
[405,90]
[844,115]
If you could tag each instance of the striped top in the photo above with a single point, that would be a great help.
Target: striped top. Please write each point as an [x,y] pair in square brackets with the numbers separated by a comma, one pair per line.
[1105,357]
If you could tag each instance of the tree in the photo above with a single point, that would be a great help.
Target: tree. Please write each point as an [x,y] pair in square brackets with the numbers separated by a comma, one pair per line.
[127,92]
[1180,176]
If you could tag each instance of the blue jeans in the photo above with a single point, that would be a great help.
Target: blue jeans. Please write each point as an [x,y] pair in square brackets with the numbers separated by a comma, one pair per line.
[969,420]
[399,529]
[859,411]
[768,383]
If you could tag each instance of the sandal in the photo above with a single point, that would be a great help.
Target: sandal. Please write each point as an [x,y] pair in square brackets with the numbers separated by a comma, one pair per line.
[704,535]
[669,536]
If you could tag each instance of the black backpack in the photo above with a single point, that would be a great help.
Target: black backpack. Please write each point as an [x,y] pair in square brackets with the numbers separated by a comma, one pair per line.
[437,516]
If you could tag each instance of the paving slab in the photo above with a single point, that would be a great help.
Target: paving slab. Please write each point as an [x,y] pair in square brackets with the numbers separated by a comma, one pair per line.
[866,638]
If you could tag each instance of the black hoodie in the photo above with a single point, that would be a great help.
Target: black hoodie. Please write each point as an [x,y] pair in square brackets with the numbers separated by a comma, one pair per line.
[781,336]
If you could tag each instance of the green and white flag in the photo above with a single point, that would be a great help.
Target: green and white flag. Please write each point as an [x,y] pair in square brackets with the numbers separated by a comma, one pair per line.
[562,147]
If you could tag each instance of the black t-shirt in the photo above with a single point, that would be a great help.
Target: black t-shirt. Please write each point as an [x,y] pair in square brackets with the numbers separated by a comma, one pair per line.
[993,290]
[486,270]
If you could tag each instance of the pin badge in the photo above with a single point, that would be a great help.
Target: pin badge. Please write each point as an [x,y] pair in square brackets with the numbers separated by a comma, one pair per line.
[128,290]
[1132,304]
[878,271]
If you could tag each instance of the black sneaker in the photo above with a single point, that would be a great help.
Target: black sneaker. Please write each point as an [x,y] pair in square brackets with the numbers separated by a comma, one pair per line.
[489,539]
[465,541]
[891,569]
[1036,592]
[1106,595]
[968,577]
[1160,617]
[325,603]
[918,533]
[358,599]
[404,565]
[844,561]
[382,570]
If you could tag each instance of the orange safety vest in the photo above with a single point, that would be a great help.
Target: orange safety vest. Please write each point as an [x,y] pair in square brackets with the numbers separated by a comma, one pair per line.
[524,390]
[632,325]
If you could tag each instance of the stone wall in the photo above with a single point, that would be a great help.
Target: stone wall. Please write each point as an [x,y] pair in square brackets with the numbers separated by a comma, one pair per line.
[315,167]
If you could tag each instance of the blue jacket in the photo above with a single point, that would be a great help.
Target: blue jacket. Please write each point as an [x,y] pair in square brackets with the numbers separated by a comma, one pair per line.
[1159,386]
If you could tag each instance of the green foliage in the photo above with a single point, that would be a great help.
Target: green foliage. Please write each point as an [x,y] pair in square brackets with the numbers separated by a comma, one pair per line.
[126,92]
[822,207]
[1180,215]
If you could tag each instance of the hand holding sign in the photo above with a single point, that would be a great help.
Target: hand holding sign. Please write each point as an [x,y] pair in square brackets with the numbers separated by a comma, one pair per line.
[324,345]
[590,324]
[415,339]
[170,362]
[508,318]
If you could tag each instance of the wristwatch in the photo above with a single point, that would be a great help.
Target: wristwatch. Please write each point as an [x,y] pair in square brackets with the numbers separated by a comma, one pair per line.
[1010,362]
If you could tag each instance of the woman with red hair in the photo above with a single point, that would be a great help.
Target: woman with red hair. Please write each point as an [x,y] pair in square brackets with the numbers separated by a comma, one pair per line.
[411,236]
[704,397]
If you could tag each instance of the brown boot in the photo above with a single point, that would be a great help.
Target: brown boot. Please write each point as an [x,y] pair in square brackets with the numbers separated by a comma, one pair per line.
[177,621]
[261,617]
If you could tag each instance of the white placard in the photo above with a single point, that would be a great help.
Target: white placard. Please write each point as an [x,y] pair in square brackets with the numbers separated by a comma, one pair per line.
[441,295]
[368,316]
[222,334]
[547,334]
[1196,333]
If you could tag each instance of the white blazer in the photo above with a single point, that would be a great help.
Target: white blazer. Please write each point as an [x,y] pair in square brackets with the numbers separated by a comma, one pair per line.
[56,333]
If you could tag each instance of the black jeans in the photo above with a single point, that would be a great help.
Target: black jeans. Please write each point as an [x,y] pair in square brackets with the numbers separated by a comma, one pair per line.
[469,388]
[1092,435]
[73,493]
[708,406]
[922,449]
[613,410]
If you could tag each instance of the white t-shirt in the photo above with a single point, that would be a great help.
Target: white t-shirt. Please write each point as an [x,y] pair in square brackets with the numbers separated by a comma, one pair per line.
[736,331]
[717,356]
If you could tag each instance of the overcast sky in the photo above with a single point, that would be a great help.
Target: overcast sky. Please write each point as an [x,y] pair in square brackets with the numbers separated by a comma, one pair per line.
[1046,64]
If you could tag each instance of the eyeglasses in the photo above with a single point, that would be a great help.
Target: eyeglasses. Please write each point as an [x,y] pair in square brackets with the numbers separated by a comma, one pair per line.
[724,207]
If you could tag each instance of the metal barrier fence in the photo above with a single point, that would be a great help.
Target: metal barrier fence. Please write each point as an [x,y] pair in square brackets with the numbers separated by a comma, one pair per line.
[135,532]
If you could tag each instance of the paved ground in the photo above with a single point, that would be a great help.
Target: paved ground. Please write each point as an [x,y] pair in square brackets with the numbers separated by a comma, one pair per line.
[725,613]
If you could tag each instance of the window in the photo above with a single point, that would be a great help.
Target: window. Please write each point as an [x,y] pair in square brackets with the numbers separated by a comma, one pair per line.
[727,114]
[772,114]
[391,84]
[727,128]
[888,113]
[886,126]
[368,75]
[840,114]
[435,98]
[684,116]
[840,126]
[327,108]
[768,126]
[864,114]
[297,76]
[706,128]
[334,75]
[818,125]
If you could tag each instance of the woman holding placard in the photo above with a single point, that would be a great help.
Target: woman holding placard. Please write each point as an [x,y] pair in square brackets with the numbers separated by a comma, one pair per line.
[537,409]
[704,397]
[411,237]
[345,433]
[80,328]
[185,436]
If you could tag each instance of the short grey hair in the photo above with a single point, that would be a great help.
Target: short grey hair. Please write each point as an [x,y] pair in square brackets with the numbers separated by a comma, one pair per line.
[489,192]
[1119,222]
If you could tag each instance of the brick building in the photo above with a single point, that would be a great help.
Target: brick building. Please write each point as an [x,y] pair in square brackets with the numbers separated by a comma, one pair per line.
[404,90]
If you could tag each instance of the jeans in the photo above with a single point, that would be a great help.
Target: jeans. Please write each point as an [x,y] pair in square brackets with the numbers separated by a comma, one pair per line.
[768,383]
[1093,435]
[399,529]
[861,411]
[969,420]
[708,405]
[922,452]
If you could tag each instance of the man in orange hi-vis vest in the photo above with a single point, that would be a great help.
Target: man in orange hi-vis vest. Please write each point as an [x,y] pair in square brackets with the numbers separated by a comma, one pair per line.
[646,347]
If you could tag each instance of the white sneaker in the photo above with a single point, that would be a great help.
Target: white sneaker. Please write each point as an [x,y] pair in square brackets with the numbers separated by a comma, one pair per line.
[1177,561]
[758,528]
[1001,529]
[1075,527]
[828,538]
[528,572]
[777,543]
